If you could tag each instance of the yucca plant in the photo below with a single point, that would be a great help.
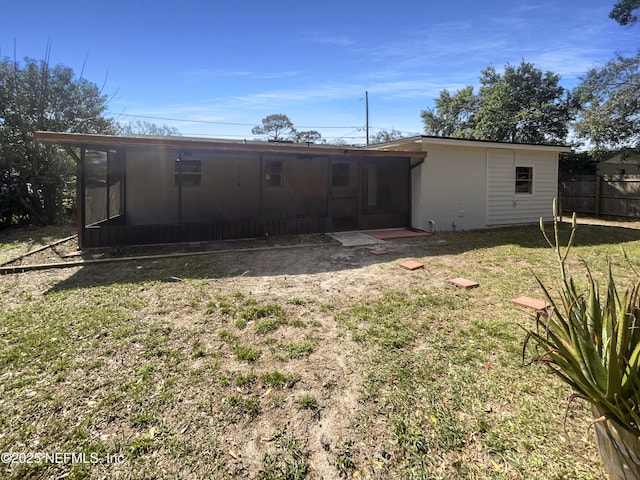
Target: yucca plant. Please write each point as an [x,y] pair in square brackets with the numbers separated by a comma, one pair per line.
[591,338]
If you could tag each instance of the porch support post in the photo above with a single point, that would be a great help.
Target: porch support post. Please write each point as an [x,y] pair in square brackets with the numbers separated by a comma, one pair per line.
[80,196]
[179,162]
[108,185]
[360,191]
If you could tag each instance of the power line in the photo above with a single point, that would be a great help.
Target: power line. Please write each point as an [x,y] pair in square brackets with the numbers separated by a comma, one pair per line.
[349,135]
[168,119]
[180,119]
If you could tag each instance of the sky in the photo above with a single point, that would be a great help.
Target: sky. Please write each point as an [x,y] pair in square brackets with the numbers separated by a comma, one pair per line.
[215,68]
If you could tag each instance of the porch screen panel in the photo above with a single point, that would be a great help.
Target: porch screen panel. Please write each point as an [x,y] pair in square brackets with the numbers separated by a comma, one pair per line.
[115,181]
[95,189]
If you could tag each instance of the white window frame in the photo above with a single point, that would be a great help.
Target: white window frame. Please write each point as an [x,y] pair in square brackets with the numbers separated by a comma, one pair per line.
[530,181]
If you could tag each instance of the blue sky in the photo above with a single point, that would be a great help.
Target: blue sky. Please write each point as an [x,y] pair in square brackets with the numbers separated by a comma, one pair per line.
[222,66]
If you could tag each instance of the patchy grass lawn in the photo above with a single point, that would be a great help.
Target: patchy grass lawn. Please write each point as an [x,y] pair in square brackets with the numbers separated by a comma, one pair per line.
[326,362]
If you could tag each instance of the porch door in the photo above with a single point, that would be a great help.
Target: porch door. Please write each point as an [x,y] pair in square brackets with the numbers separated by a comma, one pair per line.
[343,194]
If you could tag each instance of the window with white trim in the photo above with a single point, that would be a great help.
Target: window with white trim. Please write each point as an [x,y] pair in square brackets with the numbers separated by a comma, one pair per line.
[524,180]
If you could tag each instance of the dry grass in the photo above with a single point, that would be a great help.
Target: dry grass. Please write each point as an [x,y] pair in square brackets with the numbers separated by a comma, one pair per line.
[324,362]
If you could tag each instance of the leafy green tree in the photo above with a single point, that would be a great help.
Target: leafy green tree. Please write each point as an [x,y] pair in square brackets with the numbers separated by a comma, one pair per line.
[311,136]
[623,12]
[453,115]
[523,105]
[610,99]
[276,126]
[142,127]
[384,136]
[38,181]
[279,127]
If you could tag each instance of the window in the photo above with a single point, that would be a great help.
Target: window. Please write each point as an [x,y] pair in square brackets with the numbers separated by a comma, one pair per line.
[340,175]
[524,179]
[188,173]
[273,173]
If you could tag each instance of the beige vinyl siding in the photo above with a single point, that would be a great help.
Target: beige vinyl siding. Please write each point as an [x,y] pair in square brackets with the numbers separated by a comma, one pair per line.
[504,205]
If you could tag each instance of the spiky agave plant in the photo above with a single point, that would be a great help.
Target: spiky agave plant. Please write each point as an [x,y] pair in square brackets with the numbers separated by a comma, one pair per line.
[592,342]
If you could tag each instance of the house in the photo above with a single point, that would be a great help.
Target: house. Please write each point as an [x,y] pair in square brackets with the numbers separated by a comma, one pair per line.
[147,190]
[470,184]
[619,162]
[143,189]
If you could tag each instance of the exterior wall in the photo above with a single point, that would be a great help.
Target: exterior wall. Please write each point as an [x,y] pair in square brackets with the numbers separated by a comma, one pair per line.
[452,189]
[624,163]
[303,191]
[463,188]
[153,200]
[504,206]
[229,188]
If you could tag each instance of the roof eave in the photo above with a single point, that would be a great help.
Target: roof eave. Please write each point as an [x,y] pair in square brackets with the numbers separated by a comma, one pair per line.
[190,143]
[464,142]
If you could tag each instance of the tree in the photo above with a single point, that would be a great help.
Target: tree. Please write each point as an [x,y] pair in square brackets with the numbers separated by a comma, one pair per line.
[523,105]
[453,115]
[142,127]
[311,136]
[623,12]
[610,99]
[38,181]
[384,136]
[278,127]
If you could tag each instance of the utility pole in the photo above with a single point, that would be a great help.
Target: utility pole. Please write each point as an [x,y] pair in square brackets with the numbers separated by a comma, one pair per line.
[366,101]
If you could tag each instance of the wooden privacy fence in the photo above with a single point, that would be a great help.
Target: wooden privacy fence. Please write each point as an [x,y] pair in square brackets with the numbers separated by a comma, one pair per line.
[617,196]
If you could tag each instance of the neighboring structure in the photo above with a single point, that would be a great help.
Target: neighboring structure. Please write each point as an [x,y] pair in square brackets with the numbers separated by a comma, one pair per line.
[469,184]
[620,162]
[144,190]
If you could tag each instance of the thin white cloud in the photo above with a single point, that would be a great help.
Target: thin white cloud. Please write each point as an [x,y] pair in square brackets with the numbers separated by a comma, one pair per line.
[325,39]
[204,73]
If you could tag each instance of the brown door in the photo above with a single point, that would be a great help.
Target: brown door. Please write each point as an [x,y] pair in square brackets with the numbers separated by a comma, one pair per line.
[343,194]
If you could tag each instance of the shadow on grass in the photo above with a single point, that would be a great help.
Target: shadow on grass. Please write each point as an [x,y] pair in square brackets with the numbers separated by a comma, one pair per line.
[326,258]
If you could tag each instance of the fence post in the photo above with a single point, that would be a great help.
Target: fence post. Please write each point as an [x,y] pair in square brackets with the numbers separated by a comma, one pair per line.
[560,204]
[598,194]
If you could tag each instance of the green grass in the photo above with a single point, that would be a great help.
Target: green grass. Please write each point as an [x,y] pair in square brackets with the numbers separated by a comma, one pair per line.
[185,379]
[307,402]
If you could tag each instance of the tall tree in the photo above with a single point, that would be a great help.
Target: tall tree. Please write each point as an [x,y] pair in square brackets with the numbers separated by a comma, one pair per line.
[623,12]
[610,99]
[523,105]
[453,114]
[276,127]
[35,96]
[279,127]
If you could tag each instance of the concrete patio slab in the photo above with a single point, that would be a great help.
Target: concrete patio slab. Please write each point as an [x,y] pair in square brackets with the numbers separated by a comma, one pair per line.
[354,239]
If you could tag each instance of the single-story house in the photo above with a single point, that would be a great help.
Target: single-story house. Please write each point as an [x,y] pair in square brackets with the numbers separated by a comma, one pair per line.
[471,184]
[144,189]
